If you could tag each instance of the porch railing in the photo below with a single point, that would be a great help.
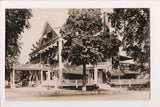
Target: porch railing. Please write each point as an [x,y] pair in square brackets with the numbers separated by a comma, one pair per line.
[73,81]
[129,81]
[76,83]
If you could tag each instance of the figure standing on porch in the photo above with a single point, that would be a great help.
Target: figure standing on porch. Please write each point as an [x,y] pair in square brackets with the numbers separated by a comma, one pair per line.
[108,77]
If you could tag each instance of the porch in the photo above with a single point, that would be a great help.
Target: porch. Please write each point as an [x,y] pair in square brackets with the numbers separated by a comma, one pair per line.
[47,76]
[40,71]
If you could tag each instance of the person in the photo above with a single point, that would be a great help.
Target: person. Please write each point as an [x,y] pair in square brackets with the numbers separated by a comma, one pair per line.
[108,77]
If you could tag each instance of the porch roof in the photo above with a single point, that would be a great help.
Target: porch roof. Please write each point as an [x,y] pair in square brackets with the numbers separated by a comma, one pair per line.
[71,69]
[31,67]
[117,73]
[130,72]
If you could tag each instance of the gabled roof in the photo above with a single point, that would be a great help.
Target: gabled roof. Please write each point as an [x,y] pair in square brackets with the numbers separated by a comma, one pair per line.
[49,26]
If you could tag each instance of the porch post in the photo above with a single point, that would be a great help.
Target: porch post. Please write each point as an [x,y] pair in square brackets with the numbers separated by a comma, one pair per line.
[95,74]
[13,79]
[30,72]
[60,58]
[40,58]
[49,77]
[41,76]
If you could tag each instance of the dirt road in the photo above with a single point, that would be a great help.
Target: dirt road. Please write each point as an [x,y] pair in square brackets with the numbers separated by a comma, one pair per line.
[32,94]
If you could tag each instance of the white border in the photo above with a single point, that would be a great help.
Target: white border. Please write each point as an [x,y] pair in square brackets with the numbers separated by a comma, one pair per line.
[155,52]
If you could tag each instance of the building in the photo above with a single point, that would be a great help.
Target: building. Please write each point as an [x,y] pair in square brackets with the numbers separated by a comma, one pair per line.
[47,68]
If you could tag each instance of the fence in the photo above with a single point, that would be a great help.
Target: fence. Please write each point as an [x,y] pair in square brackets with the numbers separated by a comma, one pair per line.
[129,82]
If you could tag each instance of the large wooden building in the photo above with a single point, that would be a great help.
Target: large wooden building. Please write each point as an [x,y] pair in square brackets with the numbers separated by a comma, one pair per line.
[47,67]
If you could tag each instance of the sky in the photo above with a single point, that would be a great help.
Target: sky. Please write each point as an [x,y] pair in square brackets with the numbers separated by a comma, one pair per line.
[55,16]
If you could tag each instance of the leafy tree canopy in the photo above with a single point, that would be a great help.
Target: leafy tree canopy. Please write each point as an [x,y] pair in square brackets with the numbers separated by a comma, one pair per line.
[133,26]
[80,31]
[16,20]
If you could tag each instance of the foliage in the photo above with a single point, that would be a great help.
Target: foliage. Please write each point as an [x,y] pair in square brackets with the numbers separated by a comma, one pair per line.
[82,44]
[79,30]
[85,40]
[16,20]
[133,26]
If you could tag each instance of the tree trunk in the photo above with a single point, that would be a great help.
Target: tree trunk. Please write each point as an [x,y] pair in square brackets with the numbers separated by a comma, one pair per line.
[84,78]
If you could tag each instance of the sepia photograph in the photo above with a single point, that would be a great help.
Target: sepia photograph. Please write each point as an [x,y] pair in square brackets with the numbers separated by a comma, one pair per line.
[77,54]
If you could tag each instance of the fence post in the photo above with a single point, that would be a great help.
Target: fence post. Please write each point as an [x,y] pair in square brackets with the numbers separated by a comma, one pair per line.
[76,84]
[55,83]
[129,81]
[119,81]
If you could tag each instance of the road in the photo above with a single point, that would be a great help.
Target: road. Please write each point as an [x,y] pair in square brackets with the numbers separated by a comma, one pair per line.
[32,94]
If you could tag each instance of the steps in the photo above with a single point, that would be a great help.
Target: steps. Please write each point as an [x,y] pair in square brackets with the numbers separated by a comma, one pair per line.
[105,86]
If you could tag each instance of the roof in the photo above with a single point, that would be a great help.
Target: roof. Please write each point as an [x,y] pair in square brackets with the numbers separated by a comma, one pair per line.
[49,26]
[129,61]
[73,69]
[123,58]
[130,72]
[116,73]
[31,67]
[48,45]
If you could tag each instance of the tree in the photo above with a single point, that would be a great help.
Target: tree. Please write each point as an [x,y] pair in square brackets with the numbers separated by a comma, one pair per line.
[82,46]
[16,20]
[133,25]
